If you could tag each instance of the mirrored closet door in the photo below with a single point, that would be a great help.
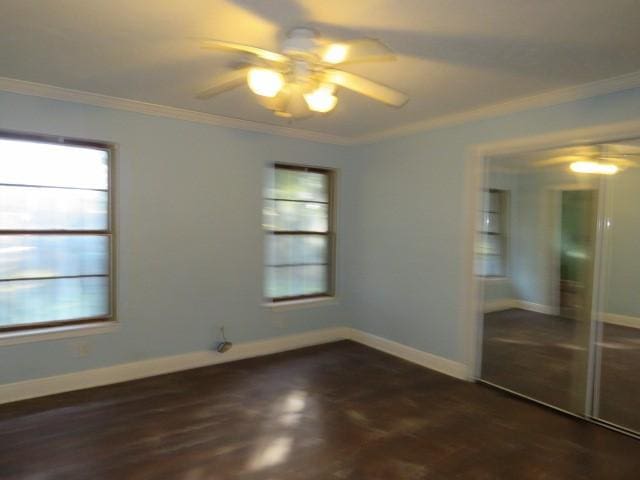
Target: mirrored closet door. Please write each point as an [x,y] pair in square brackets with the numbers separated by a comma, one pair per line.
[557,234]
[617,372]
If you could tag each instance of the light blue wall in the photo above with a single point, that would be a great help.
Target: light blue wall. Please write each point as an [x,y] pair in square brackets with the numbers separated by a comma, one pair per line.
[190,242]
[406,278]
[622,284]
[531,236]
[189,238]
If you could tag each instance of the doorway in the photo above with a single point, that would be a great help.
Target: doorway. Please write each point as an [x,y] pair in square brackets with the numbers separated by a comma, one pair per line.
[578,210]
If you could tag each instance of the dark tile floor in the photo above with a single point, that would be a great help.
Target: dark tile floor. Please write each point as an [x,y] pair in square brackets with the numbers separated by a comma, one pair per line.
[338,411]
[538,355]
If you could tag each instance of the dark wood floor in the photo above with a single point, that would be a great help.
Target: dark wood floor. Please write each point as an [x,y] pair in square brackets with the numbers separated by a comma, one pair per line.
[338,411]
[538,355]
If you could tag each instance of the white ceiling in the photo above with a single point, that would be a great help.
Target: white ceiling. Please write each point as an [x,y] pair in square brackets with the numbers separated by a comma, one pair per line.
[453,55]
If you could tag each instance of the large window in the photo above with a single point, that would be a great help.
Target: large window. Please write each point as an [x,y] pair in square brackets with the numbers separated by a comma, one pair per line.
[491,245]
[55,232]
[299,222]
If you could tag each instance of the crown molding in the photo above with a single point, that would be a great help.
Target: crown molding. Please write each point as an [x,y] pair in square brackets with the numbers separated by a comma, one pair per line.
[95,99]
[546,99]
[509,170]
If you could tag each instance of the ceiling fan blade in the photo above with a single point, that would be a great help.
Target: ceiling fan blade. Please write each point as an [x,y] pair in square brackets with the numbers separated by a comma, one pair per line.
[621,162]
[558,160]
[366,87]
[225,82]
[238,47]
[354,51]
[629,146]
[567,159]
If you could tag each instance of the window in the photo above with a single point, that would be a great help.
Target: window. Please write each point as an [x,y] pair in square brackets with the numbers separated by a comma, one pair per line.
[299,220]
[491,242]
[55,232]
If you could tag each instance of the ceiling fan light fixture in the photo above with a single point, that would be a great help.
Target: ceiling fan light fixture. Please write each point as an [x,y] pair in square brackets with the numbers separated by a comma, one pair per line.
[594,168]
[300,78]
[336,53]
[265,82]
[322,99]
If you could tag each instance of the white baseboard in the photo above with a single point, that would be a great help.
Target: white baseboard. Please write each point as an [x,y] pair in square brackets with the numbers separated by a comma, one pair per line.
[428,360]
[537,307]
[622,320]
[39,387]
[124,372]
[501,304]
[507,303]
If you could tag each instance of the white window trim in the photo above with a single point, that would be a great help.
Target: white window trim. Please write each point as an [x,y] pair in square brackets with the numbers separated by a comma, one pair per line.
[501,278]
[57,333]
[91,327]
[321,299]
[301,303]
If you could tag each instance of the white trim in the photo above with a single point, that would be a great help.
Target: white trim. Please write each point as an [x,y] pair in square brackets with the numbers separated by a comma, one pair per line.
[509,170]
[507,303]
[472,295]
[546,99]
[500,279]
[57,333]
[87,98]
[622,320]
[124,372]
[499,305]
[413,355]
[299,304]
[563,138]
[537,307]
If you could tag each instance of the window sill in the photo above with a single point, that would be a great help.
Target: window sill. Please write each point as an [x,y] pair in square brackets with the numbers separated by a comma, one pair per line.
[303,303]
[494,279]
[56,333]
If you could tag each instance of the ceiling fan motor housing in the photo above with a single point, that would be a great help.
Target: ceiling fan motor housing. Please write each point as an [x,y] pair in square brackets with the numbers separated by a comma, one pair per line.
[300,41]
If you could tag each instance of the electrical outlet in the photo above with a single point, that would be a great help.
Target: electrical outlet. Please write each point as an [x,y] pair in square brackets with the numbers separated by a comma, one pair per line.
[80,348]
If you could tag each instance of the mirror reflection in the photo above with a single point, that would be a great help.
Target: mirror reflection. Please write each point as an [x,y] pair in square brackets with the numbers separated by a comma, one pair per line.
[555,248]
[617,384]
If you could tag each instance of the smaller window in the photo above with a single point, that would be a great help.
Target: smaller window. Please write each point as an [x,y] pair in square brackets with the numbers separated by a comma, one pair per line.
[298,217]
[491,245]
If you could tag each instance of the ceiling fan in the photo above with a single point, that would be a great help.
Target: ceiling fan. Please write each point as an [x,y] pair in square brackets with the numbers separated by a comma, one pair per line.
[606,159]
[303,78]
